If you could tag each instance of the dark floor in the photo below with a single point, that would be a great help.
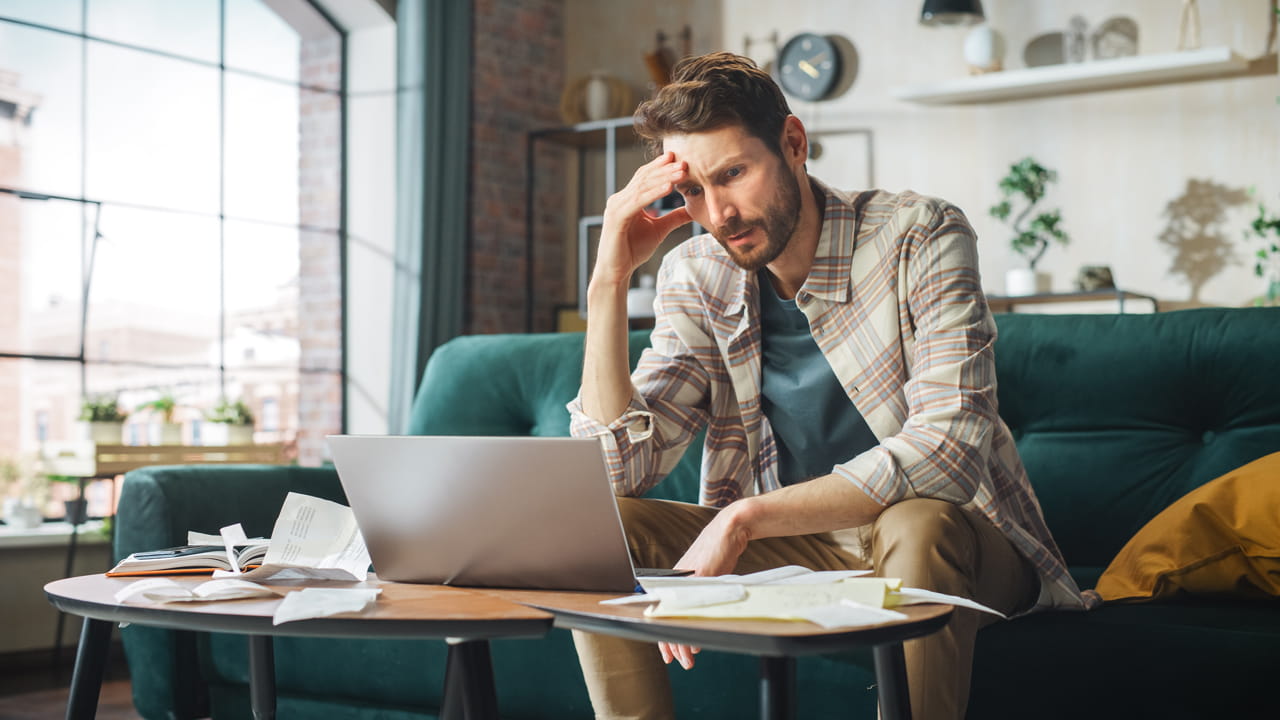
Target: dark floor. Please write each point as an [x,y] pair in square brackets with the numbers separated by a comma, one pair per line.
[33,687]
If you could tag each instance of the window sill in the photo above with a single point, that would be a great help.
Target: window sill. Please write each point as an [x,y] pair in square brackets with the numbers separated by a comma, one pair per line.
[51,534]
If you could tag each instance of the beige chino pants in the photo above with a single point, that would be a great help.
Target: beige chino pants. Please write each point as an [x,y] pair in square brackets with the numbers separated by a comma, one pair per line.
[930,544]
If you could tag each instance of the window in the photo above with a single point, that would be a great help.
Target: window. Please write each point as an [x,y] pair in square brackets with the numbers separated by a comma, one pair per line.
[170,220]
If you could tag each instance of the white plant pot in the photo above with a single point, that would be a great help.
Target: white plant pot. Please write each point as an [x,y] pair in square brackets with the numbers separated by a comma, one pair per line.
[223,434]
[1024,281]
[165,433]
[21,514]
[103,433]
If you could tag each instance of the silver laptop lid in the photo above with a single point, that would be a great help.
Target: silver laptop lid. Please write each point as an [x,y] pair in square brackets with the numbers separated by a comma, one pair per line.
[519,512]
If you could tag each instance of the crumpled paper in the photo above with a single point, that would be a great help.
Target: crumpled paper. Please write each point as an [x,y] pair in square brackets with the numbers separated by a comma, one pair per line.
[323,602]
[164,590]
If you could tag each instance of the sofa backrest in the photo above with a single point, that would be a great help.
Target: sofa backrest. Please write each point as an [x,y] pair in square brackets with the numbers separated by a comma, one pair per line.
[519,385]
[1115,416]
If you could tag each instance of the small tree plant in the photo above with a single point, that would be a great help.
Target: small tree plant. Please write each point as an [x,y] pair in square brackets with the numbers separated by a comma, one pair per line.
[103,408]
[165,405]
[231,413]
[1026,184]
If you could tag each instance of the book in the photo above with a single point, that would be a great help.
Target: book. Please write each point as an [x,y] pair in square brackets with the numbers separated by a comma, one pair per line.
[191,560]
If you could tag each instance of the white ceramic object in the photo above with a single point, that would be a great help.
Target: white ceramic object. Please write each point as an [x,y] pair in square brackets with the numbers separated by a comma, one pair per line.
[103,433]
[21,514]
[984,48]
[1025,281]
[596,97]
[164,433]
[640,299]
[225,434]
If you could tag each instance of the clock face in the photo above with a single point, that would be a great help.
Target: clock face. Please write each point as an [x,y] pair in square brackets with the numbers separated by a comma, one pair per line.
[809,66]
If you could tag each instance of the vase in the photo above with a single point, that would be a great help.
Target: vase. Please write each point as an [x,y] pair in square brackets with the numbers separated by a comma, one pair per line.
[984,50]
[103,433]
[77,511]
[165,433]
[1025,281]
[221,434]
[596,97]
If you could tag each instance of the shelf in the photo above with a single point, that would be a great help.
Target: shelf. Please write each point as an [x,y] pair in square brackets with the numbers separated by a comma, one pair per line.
[1137,71]
[1006,303]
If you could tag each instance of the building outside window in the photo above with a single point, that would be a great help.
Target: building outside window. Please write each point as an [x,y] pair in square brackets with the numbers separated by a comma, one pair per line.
[170,214]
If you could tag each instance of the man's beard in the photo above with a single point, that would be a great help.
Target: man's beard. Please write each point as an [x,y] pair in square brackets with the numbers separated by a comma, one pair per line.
[779,223]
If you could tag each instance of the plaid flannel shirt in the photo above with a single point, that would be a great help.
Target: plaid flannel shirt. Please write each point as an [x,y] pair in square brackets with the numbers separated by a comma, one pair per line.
[895,303]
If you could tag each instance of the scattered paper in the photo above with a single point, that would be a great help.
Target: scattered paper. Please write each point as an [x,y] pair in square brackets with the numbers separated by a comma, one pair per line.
[786,575]
[849,614]
[323,602]
[916,596]
[233,535]
[780,602]
[312,539]
[689,596]
[164,590]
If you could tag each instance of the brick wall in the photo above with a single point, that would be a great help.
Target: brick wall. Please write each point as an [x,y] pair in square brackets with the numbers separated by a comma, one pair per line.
[516,83]
[319,272]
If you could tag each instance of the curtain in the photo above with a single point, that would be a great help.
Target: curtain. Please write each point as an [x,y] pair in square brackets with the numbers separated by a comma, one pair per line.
[433,117]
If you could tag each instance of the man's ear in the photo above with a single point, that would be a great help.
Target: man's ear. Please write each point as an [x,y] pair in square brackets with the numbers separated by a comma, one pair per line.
[795,141]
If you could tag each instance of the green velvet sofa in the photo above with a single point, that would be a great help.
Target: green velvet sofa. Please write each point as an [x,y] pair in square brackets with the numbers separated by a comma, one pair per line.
[1116,417]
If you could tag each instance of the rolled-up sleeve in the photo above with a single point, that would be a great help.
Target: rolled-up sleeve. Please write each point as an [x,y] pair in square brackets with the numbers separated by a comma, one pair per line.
[668,408]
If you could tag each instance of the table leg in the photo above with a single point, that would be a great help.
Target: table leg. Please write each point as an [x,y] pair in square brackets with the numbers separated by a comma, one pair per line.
[262,677]
[891,677]
[91,663]
[777,688]
[469,692]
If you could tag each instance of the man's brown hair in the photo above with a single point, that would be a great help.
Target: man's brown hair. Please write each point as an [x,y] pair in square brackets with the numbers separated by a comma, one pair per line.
[712,91]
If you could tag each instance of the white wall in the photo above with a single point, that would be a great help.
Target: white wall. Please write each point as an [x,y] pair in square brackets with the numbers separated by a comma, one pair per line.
[1122,156]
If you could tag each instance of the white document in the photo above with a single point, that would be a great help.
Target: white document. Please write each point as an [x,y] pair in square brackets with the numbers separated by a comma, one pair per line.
[323,602]
[916,596]
[164,590]
[785,575]
[780,602]
[849,614]
[312,539]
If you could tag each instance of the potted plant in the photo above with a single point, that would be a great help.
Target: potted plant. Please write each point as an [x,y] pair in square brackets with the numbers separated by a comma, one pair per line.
[102,420]
[1026,184]
[1267,259]
[230,423]
[76,508]
[166,432]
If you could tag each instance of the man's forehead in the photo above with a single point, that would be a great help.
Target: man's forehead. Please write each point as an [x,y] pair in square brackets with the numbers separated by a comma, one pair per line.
[709,147]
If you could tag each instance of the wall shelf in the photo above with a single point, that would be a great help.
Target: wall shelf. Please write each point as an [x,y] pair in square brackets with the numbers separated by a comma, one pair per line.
[1137,71]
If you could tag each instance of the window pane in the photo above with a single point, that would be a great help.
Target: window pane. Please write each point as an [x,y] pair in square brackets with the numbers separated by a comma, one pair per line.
[274,40]
[272,396]
[188,28]
[261,41]
[261,289]
[155,291]
[40,265]
[41,400]
[65,14]
[39,110]
[262,150]
[136,385]
[152,130]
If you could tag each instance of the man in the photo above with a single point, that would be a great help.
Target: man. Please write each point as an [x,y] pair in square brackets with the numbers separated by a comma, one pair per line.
[837,348]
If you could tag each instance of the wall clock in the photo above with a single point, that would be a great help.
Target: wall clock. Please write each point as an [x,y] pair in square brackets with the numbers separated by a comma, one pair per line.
[809,66]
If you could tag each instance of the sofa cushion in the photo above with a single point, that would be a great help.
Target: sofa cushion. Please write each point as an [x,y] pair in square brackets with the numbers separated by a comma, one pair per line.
[1222,538]
[1118,416]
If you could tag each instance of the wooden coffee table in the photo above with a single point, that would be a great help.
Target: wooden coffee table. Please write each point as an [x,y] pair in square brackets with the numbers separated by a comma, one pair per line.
[777,643]
[466,618]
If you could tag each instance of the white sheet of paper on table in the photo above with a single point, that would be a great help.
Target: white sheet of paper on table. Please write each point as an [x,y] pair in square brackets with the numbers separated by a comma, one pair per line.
[323,602]
[164,590]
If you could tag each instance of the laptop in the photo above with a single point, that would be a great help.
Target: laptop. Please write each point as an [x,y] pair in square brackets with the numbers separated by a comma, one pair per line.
[514,512]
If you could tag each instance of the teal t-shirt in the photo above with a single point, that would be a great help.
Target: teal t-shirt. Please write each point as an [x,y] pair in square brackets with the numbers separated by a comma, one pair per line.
[814,423]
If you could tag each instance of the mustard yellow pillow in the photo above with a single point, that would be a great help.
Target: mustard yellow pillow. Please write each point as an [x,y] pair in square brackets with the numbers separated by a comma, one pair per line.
[1222,538]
